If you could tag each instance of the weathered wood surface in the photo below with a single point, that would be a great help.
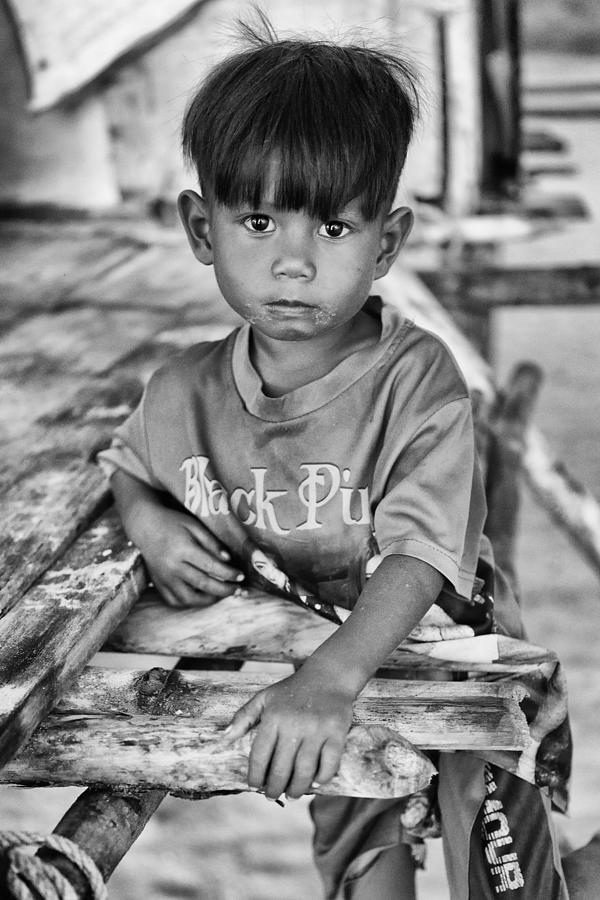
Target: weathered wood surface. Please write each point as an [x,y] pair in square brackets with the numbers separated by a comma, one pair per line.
[49,636]
[192,759]
[41,264]
[444,715]
[161,277]
[64,327]
[269,629]
[104,825]
[98,734]
[49,488]
[490,287]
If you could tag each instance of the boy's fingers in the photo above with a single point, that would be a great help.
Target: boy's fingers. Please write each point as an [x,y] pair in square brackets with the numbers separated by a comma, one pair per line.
[201,582]
[305,765]
[203,561]
[261,756]
[331,753]
[185,596]
[281,768]
[167,594]
[245,718]
[207,540]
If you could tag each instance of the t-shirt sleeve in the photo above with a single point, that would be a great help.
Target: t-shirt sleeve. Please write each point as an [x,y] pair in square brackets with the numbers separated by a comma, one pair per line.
[426,511]
[129,449]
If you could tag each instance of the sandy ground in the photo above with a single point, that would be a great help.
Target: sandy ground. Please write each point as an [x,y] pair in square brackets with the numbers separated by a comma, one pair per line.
[244,848]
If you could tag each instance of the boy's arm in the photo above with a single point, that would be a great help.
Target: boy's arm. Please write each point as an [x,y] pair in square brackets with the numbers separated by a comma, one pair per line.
[303,720]
[186,562]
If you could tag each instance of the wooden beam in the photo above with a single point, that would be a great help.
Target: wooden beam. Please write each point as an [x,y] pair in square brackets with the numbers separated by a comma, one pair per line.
[443,715]
[489,288]
[104,825]
[49,486]
[56,259]
[49,636]
[265,628]
[100,734]
[190,758]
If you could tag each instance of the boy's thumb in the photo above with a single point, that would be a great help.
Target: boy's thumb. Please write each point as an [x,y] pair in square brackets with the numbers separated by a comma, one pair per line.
[245,718]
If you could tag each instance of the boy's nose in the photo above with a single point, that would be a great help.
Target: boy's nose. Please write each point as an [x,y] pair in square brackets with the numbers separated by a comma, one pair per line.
[294,261]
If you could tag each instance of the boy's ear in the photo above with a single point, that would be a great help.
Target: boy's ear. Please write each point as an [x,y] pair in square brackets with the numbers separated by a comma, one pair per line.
[194,214]
[394,231]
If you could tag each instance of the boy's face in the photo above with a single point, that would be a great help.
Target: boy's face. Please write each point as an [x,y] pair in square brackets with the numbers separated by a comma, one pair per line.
[292,276]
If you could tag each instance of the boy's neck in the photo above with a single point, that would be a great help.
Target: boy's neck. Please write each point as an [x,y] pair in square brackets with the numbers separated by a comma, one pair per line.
[284,366]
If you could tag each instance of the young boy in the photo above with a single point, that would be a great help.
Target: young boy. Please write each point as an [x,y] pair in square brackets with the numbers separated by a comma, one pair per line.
[324,449]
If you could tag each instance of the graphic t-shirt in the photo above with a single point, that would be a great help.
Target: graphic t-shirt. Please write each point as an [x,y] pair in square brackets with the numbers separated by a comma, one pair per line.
[309,489]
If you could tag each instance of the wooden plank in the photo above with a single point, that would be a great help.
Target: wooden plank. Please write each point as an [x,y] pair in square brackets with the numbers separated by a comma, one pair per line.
[49,636]
[51,492]
[269,629]
[189,756]
[493,287]
[162,277]
[78,340]
[42,262]
[444,715]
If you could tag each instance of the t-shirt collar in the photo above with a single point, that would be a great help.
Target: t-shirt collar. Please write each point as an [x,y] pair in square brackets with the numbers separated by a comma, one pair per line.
[318,393]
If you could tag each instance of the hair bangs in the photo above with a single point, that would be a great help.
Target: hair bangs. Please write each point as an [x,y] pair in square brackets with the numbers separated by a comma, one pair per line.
[306,125]
[318,172]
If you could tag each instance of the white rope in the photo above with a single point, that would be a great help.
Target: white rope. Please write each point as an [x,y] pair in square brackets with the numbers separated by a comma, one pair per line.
[30,878]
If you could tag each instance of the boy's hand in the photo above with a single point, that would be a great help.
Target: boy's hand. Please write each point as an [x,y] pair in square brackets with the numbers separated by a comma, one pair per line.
[302,727]
[185,561]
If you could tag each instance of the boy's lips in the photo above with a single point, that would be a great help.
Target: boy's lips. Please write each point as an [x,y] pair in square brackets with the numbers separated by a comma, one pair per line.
[285,305]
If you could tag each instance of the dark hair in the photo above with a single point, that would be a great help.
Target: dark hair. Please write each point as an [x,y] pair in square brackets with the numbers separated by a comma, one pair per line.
[337,119]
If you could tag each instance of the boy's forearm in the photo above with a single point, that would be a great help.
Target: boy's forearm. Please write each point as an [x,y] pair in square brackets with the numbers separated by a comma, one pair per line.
[132,499]
[395,598]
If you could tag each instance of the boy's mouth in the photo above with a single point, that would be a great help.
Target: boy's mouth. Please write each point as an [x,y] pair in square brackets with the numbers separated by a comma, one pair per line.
[287,305]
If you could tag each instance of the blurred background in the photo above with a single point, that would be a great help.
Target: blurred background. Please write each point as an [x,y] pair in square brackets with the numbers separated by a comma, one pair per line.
[503,174]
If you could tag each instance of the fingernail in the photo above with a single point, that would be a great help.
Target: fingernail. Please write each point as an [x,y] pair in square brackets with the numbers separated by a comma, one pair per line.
[276,800]
[240,577]
[224,554]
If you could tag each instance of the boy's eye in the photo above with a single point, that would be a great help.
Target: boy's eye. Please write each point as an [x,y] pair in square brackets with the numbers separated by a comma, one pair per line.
[334,229]
[259,223]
